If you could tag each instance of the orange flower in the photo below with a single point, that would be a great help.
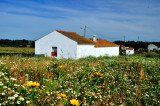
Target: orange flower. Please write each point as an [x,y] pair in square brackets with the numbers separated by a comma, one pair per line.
[25,84]
[99,74]
[39,100]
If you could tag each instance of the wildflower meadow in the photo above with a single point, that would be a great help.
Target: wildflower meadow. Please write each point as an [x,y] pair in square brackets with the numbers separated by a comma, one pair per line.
[132,80]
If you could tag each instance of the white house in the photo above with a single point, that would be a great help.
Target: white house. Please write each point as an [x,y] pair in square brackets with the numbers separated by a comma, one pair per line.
[64,44]
[129,50]
[152,47]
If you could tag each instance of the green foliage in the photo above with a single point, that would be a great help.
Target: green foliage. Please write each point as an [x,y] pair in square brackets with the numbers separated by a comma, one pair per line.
[16,43]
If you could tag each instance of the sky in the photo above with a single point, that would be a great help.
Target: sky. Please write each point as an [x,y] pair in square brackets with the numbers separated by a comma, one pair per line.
[108,19]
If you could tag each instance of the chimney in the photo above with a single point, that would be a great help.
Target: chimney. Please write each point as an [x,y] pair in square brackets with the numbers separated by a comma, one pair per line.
[94,38]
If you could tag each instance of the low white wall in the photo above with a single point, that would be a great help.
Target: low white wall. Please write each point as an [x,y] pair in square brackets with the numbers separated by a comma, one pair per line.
[90,50]
[110,51]
[66,48]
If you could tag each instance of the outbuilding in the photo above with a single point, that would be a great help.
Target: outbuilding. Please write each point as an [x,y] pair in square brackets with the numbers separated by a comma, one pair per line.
[152,47]
[129,50]
[65,44]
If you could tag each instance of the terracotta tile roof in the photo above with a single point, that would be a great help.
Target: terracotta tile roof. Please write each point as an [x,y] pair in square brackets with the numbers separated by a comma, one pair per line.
[104,43]
[129,48]
[76,37]
[81,40]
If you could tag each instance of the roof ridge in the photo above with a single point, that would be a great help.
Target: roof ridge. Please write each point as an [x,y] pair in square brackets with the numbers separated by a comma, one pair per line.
[65,31]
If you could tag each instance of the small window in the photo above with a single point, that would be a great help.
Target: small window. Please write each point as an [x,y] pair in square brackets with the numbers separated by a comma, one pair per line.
[54,51]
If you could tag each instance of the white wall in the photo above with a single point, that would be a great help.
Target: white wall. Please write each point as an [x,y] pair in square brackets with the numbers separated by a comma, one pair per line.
[130,51]
[84,50]
[66,48]
[110,51]
[90,50]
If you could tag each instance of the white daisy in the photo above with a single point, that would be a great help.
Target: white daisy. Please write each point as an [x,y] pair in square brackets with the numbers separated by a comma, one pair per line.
[21,99]
[15,95]
[18,102]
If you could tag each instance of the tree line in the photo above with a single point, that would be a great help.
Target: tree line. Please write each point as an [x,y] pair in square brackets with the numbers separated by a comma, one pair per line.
[16,43]
[25,43]
[136,45]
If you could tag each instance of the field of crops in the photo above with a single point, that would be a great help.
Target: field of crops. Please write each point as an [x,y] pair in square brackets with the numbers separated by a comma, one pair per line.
[16,50]
[123,80]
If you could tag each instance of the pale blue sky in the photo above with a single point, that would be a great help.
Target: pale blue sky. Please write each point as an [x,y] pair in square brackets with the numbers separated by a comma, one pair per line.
[108,19]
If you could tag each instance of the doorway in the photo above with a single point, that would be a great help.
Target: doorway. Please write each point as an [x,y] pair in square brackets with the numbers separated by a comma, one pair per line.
[54,51]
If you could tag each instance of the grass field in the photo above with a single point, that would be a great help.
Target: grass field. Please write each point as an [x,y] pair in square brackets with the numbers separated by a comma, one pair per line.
[16,50]
[123,80]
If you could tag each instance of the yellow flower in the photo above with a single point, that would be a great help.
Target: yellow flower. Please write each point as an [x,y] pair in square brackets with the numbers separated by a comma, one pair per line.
[63,95]
[38,84]
[35,84]
[74,102]
[89,64]
[25,84]
[99,74]
[60,66]
[29,83]
[32,84]
[35,90]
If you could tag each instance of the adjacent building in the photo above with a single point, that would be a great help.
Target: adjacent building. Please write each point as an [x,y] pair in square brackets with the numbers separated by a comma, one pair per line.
[129,50]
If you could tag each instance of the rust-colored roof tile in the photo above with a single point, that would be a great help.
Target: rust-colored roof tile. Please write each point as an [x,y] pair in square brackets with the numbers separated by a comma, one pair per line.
[104,43]
[129,48]
[76,37]
[81,40]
